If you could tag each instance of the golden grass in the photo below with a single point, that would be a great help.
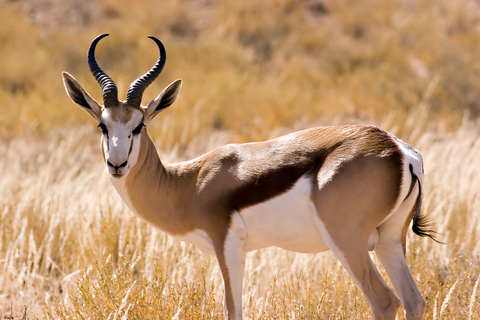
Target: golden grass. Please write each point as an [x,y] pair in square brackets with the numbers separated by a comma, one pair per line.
[69,248]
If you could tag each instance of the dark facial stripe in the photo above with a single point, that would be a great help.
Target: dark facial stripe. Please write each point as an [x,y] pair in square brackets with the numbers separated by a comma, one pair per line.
[131,147]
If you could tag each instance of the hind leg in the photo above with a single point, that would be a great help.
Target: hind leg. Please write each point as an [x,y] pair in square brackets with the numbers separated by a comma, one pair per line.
[390,249]
[395,265]
[354,257]
[351,201]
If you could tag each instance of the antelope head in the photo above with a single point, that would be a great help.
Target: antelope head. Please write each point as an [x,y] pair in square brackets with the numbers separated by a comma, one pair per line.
[122,122]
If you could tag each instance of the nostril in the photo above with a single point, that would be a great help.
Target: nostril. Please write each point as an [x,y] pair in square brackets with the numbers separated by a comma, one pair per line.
[116,166]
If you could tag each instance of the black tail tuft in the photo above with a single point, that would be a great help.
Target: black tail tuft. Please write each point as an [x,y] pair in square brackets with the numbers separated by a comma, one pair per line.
[422,225]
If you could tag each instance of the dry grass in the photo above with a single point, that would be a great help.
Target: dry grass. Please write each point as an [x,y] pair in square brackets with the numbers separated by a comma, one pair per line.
[70,249]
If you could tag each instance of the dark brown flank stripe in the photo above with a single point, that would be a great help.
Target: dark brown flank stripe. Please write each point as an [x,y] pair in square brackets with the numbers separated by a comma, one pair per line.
[273,183]
[278,176]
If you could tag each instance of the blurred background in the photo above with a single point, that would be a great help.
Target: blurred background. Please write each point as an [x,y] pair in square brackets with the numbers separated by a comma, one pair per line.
[252,70]
[249,68]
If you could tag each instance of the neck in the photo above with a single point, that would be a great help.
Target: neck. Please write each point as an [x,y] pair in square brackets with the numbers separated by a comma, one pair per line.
[150,190]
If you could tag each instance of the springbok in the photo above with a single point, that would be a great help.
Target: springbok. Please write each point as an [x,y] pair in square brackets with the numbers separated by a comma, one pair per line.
[349,189]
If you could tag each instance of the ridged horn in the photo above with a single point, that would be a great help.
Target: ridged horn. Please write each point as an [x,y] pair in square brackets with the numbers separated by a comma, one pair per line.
[110,92]
[136,89]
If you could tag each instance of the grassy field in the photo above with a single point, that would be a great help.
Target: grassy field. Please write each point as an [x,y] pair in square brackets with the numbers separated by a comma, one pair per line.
[70,249]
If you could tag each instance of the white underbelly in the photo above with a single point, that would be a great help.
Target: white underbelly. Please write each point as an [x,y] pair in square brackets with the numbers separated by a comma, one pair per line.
[286,221]
[199,239]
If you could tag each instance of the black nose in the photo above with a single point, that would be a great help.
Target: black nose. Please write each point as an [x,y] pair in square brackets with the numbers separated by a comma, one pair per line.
[117,167]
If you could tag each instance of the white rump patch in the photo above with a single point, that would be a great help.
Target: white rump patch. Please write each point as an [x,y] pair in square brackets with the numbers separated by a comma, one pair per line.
[413,158]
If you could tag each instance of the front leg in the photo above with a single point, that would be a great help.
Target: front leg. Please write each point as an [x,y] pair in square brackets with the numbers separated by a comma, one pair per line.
[231,258]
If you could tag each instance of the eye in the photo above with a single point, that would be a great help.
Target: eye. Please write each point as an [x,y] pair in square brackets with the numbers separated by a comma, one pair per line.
[138,129]
[103,128]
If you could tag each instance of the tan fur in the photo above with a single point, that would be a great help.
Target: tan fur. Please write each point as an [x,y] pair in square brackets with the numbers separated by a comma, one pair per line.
[228,178]
[122,113]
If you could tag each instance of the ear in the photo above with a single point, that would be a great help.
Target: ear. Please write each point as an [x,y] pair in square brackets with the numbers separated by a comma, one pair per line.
[76,92]
[164,99]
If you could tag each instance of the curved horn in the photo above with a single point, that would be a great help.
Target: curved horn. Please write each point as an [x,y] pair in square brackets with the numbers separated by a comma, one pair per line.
[110,93]
[136,89]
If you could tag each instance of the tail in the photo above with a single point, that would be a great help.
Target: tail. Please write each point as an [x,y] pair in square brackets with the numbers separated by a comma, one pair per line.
[422,225]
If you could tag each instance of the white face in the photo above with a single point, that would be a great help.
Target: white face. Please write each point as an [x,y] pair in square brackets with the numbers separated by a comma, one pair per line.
[121,129]
[121,125]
